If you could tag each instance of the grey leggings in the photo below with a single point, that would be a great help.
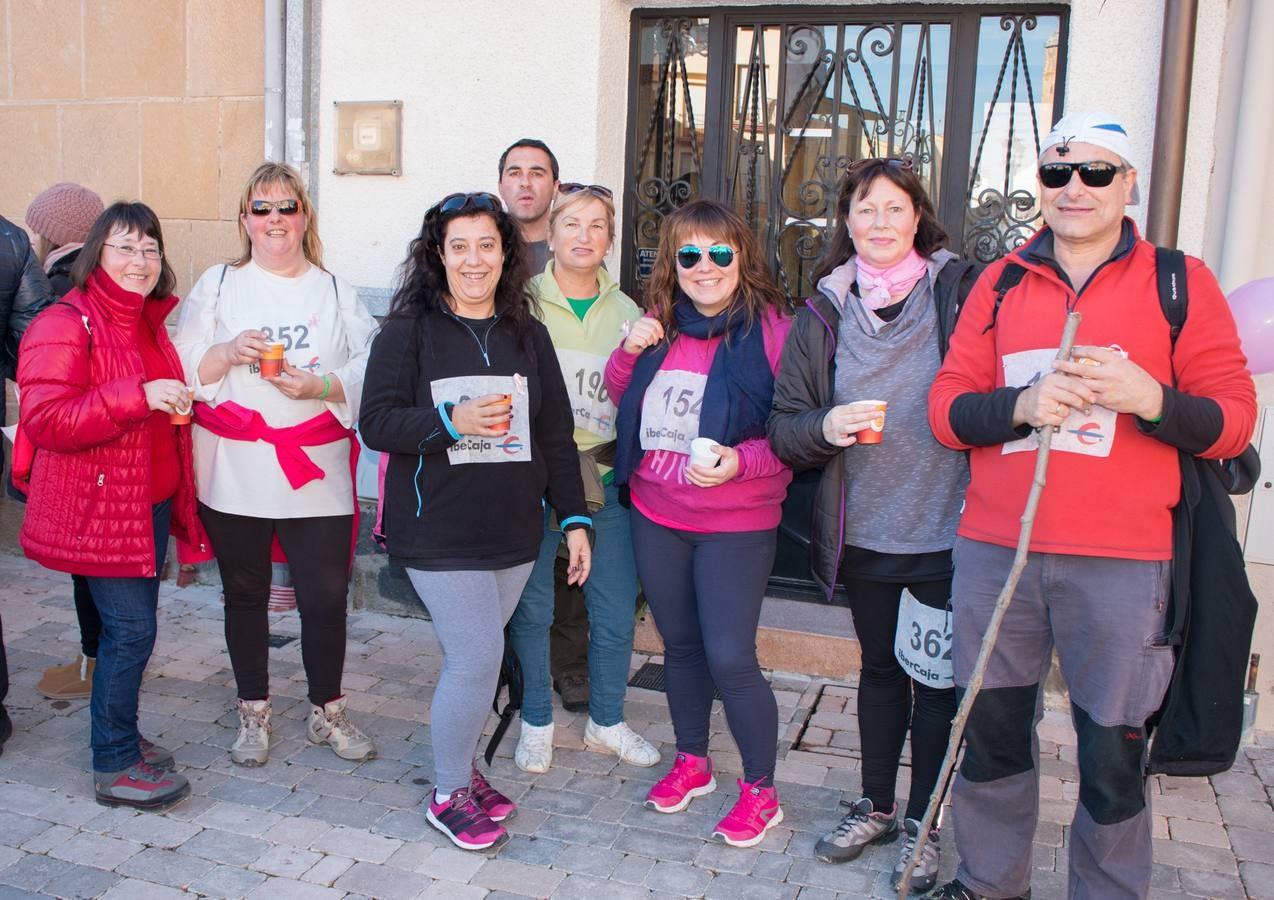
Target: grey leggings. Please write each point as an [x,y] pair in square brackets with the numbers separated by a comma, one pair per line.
[469,611]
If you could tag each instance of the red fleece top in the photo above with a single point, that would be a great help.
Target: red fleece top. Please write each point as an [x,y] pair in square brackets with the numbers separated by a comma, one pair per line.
[1117,505]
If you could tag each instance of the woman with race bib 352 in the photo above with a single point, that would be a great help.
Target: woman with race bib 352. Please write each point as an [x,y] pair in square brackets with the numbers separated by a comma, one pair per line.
[586,314]
[465,394]
[700,368]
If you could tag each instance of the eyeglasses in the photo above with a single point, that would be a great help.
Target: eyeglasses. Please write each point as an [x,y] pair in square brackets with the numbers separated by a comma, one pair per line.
[130,251]
[721,256]
[263,207]
[1094,174]
[454,203]
[571,187]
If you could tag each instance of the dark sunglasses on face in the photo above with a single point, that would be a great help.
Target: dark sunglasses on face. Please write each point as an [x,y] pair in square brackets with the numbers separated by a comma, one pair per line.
[453,203]
[571,187]
[719,254]
[263,207]
[1094,174]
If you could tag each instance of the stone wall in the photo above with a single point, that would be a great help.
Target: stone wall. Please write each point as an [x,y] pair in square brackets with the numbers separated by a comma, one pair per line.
[157,100]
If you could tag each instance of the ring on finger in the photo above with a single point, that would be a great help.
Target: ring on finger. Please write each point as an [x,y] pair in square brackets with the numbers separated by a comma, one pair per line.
[1060,406]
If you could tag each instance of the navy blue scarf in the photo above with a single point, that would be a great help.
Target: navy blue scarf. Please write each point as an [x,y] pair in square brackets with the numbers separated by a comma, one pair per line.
[737,397]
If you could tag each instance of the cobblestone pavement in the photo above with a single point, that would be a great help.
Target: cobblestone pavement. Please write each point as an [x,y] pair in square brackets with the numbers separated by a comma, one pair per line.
[311,825]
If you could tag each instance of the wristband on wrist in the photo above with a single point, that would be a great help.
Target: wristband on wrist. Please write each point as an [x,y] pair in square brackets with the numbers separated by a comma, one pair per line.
[327,386]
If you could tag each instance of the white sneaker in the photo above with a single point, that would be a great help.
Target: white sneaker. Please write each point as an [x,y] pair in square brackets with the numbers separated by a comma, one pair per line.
[330,724]
[621,740]
[535,748]
[252,746]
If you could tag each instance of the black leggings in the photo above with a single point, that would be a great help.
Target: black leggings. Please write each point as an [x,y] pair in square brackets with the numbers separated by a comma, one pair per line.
[705,592]
[885,696]
[318,551]
[86,613]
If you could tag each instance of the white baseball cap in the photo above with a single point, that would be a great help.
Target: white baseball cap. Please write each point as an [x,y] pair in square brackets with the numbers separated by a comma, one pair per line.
[1097,128]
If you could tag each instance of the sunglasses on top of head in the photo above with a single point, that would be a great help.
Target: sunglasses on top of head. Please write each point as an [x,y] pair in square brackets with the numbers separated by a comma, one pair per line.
[1094,174]
[571,187]
[263,207]
[719,254]
[480,201]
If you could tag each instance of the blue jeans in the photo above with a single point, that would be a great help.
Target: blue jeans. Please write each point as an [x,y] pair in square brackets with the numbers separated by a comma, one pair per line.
[610,596]
[127,607]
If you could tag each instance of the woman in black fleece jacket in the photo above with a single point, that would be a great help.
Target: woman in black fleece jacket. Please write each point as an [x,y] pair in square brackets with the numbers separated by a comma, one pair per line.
[464,391]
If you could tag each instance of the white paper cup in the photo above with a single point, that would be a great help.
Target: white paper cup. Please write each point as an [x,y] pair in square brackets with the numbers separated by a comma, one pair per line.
[701,453]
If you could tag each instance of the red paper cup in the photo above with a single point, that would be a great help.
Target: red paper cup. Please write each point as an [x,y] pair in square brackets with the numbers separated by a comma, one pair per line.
[272,360]
[503,427]
[873,434]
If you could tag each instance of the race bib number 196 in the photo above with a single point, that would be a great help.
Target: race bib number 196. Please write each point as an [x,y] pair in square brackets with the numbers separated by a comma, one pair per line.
[586,385]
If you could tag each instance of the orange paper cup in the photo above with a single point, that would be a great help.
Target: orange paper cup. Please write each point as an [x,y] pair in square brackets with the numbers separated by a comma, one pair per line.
[873,434]
[272,360]
[503,427]
[179,417]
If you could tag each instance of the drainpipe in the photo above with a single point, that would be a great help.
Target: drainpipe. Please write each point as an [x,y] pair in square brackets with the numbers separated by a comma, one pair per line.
[275,62]
[1172,116]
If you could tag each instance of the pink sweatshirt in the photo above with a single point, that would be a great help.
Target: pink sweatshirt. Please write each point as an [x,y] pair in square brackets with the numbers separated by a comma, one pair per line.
[748,502]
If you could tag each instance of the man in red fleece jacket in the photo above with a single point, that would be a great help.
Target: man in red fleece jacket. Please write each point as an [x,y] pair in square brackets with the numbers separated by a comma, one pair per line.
[1096,583]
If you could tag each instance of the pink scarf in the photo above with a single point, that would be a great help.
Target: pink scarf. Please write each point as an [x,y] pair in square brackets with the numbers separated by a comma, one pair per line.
[881,287]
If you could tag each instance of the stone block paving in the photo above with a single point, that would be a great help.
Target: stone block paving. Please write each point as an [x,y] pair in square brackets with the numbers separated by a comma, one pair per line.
[309,825]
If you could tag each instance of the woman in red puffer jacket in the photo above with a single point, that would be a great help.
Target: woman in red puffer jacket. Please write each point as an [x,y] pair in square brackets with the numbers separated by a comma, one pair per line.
[100,387]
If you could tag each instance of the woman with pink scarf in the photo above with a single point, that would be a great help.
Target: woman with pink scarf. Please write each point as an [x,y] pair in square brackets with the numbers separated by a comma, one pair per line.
[890,494]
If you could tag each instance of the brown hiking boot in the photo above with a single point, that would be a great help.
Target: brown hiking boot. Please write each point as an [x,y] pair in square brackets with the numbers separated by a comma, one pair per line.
[573,686]
[72,681]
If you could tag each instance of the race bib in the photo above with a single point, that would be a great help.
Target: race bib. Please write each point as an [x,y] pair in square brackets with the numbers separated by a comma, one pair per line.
[586,385]
[670,410]
[1091,435]
[515,445]
[922,643]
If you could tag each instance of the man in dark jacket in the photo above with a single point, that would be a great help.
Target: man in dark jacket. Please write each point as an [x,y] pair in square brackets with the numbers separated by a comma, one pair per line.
[24,291]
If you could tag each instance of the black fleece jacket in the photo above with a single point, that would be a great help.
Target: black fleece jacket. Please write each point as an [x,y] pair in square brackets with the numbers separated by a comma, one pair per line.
[443,516]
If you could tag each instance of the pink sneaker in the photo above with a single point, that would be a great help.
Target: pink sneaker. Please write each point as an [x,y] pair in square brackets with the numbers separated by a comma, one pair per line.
[462,820]
[499,807]
[756,812]
[687,780]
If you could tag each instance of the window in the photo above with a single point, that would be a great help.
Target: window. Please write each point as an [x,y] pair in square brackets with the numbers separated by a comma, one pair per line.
[764,109]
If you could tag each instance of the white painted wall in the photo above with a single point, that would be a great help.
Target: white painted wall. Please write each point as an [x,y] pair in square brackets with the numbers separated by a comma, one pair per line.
[474,75]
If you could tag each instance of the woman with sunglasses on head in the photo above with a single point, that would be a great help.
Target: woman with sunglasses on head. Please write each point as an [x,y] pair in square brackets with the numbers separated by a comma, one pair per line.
[701,365]
[877,328]
[99,382]
[274,347]
[465,393]
[585,313]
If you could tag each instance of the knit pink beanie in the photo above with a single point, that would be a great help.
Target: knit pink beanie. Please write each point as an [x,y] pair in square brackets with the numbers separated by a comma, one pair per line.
[64,213]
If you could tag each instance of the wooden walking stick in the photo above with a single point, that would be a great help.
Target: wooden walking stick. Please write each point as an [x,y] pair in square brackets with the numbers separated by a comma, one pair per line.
[993,628]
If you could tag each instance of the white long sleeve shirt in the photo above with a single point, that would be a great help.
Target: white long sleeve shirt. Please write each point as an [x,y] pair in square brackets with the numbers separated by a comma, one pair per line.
[325,329]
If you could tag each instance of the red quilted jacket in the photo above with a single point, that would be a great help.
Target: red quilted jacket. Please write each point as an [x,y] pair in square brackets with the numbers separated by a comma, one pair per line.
[84,410]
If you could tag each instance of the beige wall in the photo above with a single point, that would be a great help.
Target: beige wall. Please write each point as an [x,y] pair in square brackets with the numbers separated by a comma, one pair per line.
[157,100]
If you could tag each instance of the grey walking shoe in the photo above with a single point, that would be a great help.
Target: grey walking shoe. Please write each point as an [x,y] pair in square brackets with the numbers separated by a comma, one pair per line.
[141,786]
[157,756]
[860,828]
[925,874]
[329,724]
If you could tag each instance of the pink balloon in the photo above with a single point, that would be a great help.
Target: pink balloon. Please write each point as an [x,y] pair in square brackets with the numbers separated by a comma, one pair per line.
[1253,307]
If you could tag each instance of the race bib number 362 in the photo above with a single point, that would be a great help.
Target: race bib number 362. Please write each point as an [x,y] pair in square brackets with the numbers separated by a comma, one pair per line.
[922,643]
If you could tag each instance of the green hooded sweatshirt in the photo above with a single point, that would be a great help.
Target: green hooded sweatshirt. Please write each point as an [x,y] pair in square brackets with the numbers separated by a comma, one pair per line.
[583,348]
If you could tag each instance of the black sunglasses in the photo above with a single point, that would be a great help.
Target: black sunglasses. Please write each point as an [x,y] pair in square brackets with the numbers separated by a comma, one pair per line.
[892,162]
[454,203]
[263,207]
[1094,174]
[721,256]
[571,187]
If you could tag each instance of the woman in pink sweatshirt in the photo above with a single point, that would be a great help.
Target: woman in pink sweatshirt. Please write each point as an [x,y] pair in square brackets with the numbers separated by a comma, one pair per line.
[702,364]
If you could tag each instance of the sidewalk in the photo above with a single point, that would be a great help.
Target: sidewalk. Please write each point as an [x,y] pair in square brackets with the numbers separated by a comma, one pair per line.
[311,825]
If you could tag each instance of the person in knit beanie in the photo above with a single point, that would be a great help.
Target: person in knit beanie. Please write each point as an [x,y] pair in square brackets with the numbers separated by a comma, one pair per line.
[61,216]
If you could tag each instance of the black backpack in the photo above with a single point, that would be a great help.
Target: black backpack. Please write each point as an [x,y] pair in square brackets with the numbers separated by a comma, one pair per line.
[1212,611]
